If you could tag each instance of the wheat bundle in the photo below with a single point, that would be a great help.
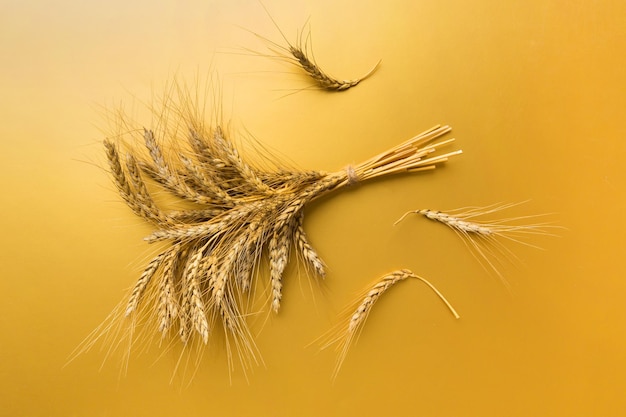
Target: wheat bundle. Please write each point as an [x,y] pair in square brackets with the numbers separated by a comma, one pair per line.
[240,212]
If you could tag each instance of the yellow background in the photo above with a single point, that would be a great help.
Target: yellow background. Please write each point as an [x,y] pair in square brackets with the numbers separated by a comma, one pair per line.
[535,92]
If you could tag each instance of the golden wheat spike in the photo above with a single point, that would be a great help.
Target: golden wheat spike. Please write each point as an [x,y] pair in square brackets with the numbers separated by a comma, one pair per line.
[346,333]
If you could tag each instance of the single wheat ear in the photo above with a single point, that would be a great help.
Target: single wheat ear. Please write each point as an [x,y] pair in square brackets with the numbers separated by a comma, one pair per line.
[485,238]
[323,80]
[301,55]
[346,333]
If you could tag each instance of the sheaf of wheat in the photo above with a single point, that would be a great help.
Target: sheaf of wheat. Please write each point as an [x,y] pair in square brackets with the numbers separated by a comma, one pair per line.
[224,215]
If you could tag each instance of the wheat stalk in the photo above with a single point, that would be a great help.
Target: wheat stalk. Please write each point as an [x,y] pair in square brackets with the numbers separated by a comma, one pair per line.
[483,237]
[346,333]
[301,55]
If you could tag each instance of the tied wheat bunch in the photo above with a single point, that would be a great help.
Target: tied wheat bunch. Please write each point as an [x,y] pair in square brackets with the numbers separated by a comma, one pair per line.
[236,214]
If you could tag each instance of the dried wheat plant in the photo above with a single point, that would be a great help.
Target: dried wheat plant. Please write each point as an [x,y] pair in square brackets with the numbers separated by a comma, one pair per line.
[347,332]
[485,238]
[234,214]
[301,55]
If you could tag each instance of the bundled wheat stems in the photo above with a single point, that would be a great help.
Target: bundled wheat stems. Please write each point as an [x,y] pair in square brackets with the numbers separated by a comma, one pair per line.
[237,214]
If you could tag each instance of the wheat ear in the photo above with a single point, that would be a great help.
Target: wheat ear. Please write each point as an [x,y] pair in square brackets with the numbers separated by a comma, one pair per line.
[167,308]
[172,179]
[279,247]
[345,334]
[198,311]
[481,236]
[123,184]
[142,283]
[308,254]
[323,80]
[301,55]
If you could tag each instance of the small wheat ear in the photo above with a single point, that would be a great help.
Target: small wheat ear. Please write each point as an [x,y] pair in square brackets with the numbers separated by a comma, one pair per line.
[300,54]
[345,334]
[484,237]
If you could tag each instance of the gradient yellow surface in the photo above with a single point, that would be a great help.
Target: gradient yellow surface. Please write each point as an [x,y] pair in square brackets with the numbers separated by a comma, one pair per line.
[535,92]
